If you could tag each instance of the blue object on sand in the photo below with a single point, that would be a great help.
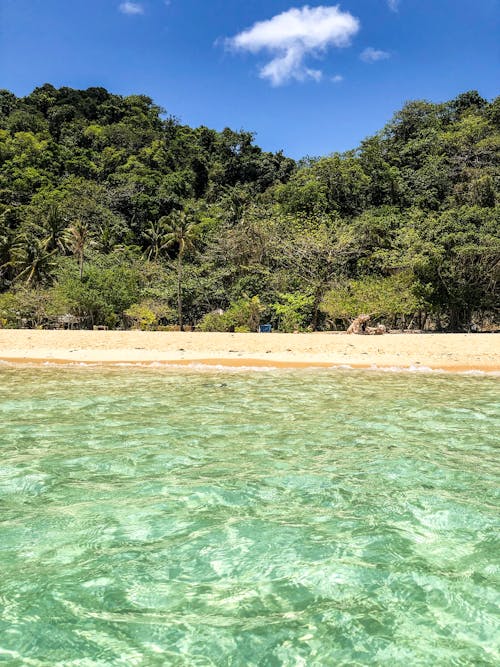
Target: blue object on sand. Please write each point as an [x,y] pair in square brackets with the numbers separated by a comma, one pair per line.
[265,328]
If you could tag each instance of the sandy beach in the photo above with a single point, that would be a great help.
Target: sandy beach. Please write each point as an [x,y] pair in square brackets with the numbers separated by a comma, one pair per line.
[450,352]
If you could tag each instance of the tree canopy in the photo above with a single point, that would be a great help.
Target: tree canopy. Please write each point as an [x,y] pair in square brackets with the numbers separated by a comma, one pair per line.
[109,206]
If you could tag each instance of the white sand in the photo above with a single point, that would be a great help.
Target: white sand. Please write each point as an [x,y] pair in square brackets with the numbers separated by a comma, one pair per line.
[452,352]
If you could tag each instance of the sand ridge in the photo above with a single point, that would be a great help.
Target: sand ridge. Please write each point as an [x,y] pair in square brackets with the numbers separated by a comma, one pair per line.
[452,352]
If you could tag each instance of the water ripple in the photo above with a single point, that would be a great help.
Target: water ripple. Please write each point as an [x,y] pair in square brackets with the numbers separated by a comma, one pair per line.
[157,517]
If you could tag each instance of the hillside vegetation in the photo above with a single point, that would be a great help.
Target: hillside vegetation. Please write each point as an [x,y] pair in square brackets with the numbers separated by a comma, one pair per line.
[114,212]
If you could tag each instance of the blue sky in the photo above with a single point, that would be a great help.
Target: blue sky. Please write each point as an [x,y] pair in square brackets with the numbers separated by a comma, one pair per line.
[307,79]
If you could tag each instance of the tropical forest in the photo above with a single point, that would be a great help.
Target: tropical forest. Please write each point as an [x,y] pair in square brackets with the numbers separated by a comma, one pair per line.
[115,214]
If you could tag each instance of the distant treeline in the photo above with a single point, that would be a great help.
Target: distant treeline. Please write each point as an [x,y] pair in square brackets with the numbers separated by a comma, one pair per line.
[113,212]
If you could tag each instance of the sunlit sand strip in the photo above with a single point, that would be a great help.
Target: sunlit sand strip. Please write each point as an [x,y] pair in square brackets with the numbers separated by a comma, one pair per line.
[411,352]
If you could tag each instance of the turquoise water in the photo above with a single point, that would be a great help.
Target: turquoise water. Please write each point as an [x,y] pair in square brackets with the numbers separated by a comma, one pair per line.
[154,517]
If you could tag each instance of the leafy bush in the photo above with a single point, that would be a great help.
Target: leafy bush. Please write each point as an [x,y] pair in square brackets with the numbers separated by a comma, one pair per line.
[141,315]
[242,316]
[245,313]
[146,315]
[380,296]
[214,322]
[30,307]
[107,289]
[9,315]
[293,311]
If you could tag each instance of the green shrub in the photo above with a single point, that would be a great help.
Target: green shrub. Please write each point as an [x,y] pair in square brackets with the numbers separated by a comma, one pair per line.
[214,322]
[141,316]
[147,314]
[30,307]
[108,288]
[293,310]
[242,316]
[380,296]
[9,316]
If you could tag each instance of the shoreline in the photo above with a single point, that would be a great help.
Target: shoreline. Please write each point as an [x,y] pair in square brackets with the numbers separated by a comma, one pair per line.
[245,364]
[456,353]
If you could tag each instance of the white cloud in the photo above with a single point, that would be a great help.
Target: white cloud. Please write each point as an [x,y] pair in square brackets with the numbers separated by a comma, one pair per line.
[293,35]
[131,8]
[338,78]
[393,5]
[371,55]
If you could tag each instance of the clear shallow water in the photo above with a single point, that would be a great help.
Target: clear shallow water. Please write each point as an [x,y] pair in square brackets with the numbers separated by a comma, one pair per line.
[273,518]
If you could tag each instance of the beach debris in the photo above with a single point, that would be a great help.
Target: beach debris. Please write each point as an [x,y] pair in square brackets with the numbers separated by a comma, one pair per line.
[360,326]
[66,321]
[376,331]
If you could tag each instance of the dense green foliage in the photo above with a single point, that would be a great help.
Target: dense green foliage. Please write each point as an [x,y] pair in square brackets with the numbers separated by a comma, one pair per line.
[116,213]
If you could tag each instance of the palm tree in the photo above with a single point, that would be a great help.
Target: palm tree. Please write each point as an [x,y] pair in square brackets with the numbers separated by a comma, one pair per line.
[5,250]
[55,226]
[156,236]
[181,229]
[78,237]
[32,259]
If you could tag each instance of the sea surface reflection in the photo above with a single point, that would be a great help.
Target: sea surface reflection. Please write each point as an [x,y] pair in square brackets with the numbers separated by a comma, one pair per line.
[159,517]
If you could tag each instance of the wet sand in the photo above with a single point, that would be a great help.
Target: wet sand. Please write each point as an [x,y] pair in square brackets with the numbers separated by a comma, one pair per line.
[450,352]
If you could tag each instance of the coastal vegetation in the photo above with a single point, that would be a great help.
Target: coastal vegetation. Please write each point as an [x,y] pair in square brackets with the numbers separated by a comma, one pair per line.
[115,213]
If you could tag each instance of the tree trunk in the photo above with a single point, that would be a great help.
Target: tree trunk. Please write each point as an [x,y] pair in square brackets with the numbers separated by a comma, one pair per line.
[314,323]
[317,302]
[457,319]
[179,292]
[81,265]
